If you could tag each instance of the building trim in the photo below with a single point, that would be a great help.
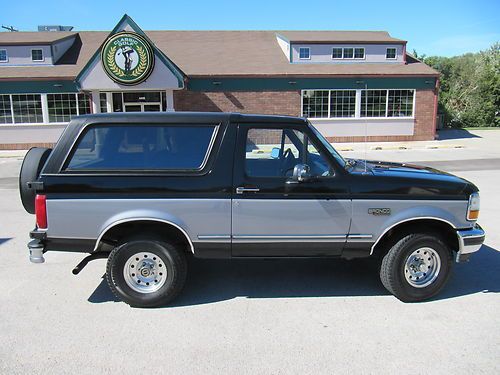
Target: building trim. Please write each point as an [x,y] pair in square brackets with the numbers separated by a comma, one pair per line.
[156,51]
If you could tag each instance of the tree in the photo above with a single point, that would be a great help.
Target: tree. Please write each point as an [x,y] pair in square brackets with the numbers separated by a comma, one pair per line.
[470,87]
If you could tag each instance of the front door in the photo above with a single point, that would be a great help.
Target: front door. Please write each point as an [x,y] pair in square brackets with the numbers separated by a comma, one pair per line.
[142,107]
[273,214]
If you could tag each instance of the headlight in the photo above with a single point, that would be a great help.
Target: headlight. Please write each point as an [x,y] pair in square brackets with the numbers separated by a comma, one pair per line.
[473,207]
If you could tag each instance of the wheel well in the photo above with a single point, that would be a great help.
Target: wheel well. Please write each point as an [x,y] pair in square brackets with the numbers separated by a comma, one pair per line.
[167,231]
[437,227]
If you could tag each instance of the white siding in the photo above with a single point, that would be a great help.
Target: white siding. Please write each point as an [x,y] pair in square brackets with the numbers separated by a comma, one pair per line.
[322,53]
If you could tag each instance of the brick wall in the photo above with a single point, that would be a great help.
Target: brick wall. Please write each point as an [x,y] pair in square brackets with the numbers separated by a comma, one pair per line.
[266,102]
[288,103]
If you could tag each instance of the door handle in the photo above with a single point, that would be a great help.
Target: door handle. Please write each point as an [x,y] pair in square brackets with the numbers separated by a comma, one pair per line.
[241,190]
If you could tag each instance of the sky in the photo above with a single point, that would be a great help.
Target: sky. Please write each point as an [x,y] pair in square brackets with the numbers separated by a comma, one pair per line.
[445,28]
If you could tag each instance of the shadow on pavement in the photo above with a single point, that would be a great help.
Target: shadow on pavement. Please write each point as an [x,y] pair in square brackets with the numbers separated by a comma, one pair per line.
[445,134]
[479,275]
[212,281]
[4,240]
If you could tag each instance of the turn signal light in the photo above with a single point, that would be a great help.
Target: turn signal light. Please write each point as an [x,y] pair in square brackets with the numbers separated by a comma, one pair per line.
[473,207]
[41,211]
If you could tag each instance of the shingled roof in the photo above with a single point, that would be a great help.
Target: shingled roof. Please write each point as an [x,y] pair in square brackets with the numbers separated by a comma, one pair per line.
[218,54]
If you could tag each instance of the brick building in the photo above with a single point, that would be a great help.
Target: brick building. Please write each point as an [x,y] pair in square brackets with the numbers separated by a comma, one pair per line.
[350,84]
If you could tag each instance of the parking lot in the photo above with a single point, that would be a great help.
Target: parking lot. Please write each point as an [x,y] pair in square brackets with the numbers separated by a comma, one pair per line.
[256,316]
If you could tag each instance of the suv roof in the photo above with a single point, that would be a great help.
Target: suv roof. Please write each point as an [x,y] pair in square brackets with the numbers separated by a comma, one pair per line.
[182,117]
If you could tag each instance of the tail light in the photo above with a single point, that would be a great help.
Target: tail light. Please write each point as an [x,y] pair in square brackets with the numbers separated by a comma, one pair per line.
[473,207]
[41,211]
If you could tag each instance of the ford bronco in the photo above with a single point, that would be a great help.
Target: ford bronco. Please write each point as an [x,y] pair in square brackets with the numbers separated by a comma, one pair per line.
[148,190]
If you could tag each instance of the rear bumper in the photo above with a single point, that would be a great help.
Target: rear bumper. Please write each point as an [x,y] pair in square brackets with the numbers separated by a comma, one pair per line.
[469,241]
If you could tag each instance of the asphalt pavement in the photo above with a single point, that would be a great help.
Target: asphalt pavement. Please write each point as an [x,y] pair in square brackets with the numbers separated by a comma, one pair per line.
[255,316]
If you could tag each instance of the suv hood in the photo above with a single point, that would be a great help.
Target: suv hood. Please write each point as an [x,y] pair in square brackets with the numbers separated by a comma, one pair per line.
[414,179]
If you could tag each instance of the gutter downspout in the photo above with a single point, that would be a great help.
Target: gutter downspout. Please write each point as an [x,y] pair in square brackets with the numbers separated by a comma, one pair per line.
[436,93]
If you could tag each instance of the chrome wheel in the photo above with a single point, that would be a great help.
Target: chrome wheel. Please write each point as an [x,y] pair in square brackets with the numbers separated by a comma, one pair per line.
[145,272]
[422,267]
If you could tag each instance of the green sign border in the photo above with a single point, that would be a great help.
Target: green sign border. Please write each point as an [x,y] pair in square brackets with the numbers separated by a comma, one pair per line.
[149,52]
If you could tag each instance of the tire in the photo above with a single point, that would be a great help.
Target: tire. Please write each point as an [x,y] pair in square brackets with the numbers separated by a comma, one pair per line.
[30,170]
[417,267]
[159,264]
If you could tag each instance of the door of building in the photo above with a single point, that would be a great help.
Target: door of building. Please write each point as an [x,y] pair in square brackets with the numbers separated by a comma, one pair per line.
[142,107]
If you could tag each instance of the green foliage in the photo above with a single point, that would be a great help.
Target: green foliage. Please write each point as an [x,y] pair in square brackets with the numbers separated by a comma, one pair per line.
[470,87]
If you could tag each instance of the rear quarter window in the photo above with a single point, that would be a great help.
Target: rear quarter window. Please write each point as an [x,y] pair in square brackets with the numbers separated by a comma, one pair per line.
[142,147]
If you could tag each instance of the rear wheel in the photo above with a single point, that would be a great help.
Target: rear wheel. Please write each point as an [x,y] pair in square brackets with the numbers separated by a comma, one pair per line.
[146,272]
[417,267]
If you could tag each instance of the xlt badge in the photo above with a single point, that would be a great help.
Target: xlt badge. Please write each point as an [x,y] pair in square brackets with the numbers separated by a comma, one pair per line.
[379,211]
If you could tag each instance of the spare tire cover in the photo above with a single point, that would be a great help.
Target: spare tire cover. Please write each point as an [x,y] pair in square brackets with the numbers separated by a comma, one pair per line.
[30,170]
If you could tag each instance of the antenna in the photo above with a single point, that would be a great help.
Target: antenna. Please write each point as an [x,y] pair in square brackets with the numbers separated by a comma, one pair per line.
[366,121]
[9,28]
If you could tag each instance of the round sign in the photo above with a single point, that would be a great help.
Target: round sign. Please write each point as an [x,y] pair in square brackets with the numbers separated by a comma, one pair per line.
[127,58]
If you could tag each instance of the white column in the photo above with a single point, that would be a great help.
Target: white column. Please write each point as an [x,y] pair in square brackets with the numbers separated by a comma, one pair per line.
[45,109]
[109,102]
[357,112]
[96,105]
[170,100]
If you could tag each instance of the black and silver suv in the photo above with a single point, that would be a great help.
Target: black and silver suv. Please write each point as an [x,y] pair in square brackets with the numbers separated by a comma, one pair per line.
[146,191]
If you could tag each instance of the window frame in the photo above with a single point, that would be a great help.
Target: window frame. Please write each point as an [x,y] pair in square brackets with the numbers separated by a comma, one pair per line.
[308,53]
[204,168]
[37,49]
[311,136]
[395,53]
[341,53]
[358,110]
[6,55]
[364,53]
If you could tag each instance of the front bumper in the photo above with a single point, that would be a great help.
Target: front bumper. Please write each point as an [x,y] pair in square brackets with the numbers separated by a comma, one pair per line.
[469,241]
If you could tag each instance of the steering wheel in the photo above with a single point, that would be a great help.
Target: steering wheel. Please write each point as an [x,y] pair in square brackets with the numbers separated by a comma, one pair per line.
[288,159]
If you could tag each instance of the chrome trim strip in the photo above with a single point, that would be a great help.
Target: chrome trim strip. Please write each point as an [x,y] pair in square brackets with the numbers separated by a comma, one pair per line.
[298,238]
[360,236]
[404,221]
[214,237]
[139,219]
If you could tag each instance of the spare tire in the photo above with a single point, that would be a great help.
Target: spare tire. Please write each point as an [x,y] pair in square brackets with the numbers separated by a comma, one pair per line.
[30,170]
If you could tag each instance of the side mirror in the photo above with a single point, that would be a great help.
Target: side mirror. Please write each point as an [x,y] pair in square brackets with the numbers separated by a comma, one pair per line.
[302,172]
[275,153]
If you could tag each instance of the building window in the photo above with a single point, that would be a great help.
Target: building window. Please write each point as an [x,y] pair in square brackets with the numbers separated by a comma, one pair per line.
[62,107]
[342,103]
[390,53]
[3,55]
[348,53]
[400,103]
[37,55]
[336,53]
[304,53]
[84,106]
[27,108]
[315,103]
[359,53]
[103,103]
[5,110]
[373,103]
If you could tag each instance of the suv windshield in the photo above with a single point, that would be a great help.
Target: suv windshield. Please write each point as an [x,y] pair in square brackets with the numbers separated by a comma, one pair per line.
[328,146]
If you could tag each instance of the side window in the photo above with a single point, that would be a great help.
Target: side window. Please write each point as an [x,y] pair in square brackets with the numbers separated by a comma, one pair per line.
[276,152]
[142,147]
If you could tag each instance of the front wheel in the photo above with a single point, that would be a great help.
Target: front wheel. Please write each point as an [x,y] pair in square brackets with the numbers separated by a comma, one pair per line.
[417,267]
[145,272]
